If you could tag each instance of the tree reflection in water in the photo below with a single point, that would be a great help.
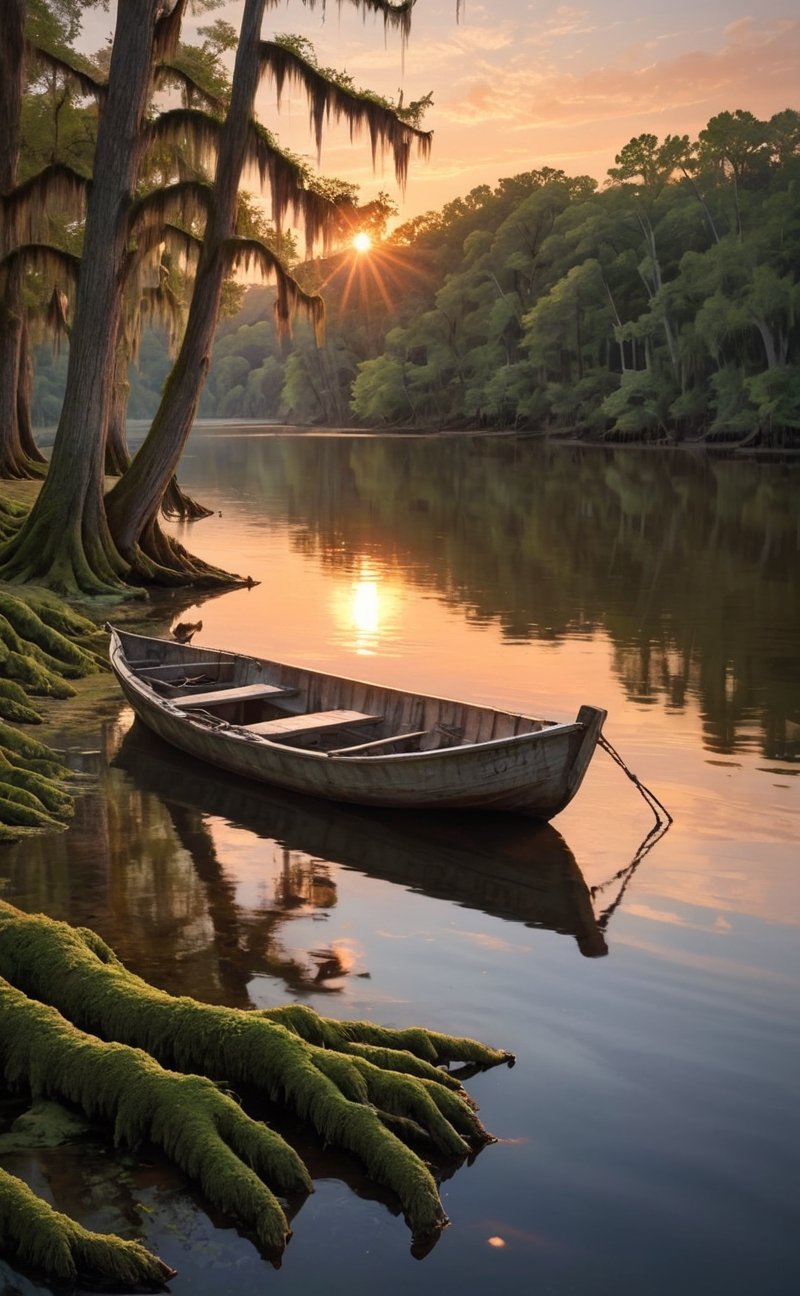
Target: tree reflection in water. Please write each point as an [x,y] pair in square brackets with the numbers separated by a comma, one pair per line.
[144,868]
[687,562]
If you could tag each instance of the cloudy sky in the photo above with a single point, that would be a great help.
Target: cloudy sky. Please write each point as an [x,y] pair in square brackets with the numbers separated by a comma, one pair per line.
[520,84]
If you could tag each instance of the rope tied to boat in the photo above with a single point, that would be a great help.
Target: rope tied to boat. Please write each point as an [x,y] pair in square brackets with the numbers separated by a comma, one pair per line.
[652,800]
[663,820]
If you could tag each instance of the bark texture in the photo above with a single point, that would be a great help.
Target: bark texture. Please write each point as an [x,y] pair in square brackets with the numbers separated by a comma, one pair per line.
[65,541]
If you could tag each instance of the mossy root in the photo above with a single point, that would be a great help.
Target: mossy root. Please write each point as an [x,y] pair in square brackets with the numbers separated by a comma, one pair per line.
[356,1100]
[201,1129]
[42,1239]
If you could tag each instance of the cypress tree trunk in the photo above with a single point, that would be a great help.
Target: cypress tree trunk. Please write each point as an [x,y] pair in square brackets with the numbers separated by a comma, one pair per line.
[117,453]
[13,460]
[65,542]
[133,505]
[24,393]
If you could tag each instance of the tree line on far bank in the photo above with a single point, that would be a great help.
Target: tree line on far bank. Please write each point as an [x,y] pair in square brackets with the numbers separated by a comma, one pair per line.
[665,305]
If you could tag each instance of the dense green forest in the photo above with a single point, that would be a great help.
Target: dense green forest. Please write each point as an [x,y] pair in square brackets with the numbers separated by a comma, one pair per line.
[662,305]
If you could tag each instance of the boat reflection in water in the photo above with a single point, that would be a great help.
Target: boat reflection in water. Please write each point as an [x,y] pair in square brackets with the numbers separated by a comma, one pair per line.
[506,867]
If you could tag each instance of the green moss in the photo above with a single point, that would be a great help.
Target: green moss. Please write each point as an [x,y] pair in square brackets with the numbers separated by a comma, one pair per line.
[56,649]
[36,678]
[200,1128]
[42,1239]
[15,813]
[43,1125]
[414,1041]
[12,515]
[28,753]
[15,704]
[35,658]
[46,791]
[358,1097]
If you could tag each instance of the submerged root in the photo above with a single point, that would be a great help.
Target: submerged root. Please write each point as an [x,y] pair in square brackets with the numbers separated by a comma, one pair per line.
[360,1098]
[414,1041]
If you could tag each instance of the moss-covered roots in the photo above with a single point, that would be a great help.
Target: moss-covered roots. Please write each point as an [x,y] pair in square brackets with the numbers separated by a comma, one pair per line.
[43,645]
[368,1090]
[78,565]
[201,1129]
[38,1237]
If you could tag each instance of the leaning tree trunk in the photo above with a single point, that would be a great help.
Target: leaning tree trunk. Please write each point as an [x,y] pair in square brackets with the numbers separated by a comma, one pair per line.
[133,505]
[12,460]
[118,456]
[66,542]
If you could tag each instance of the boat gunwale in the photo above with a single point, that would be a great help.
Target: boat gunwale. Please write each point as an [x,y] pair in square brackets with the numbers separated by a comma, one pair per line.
[239,733]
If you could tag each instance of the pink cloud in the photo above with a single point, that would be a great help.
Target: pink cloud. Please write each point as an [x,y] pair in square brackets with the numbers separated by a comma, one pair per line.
[755,68]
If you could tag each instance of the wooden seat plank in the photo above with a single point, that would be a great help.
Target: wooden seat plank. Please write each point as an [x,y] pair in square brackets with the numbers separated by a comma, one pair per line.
[244,693]
[310,723]
[377,743]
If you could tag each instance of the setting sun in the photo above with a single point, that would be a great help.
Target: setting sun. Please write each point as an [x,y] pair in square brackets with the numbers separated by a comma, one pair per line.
[362,241]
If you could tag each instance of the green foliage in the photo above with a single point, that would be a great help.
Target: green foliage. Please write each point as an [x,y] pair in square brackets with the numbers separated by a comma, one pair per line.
[659,306]
[656,308]
[639,407]
[380,393]
[667,305]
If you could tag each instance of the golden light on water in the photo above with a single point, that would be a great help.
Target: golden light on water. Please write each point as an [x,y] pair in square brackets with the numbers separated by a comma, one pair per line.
[495,1242]
[362,241]
[365,609]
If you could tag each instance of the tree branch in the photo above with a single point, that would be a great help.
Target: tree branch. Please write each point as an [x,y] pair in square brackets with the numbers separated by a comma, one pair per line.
[330,96]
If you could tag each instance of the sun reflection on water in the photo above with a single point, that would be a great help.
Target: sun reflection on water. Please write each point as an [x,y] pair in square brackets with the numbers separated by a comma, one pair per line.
[365,610]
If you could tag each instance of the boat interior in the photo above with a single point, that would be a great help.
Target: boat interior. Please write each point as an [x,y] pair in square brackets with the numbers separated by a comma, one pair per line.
[310,710]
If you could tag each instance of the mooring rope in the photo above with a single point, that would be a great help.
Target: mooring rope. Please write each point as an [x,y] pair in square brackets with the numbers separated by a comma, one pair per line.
[663,820]
[650,797]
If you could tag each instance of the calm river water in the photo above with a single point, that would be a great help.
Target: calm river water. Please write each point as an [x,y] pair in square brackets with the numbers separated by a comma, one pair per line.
[649,1133]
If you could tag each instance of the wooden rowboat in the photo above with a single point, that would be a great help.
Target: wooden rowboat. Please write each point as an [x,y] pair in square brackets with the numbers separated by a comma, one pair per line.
[502,865]
[350,741]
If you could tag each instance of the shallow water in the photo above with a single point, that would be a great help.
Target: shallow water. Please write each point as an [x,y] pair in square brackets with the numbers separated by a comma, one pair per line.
[648,1133]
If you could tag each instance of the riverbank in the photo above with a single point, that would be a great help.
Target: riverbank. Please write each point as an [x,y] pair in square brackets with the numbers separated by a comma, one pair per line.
[138,429]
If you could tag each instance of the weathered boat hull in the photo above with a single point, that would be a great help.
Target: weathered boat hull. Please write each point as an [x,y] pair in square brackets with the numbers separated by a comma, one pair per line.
[507,763]
[502,865]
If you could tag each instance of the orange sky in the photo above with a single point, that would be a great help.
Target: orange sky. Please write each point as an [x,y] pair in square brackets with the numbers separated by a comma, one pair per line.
[519,85]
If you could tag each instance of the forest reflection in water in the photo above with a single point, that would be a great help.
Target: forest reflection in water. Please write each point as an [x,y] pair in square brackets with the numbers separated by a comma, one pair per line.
[145,863]
[654,1095]
[687,563]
